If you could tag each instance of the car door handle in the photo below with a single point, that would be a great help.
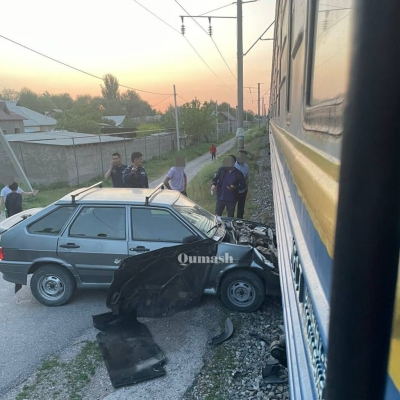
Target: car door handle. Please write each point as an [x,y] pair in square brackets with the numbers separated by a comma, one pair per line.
[70,246]
[139,248]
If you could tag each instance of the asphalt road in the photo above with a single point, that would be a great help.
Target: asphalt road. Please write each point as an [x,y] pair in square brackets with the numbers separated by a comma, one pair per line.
[31,332]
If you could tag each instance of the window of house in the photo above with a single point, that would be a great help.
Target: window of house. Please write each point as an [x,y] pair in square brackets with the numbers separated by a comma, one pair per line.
[17,130]
[100,223]
[331,50]
[157,225]
[52,223]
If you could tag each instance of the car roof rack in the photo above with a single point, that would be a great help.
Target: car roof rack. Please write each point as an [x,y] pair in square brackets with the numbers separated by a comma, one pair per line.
[159,187]
[73,196]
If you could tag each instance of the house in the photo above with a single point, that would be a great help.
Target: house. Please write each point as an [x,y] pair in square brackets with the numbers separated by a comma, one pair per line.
[229,119]
[118,119]
[33,121]
[10,122]
[54,113]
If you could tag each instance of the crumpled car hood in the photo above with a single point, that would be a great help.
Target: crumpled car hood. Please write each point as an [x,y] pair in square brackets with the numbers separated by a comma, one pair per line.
[157,284]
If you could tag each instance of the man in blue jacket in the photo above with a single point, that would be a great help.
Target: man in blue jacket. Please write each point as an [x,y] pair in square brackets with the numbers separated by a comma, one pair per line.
[135,175]
[228,181]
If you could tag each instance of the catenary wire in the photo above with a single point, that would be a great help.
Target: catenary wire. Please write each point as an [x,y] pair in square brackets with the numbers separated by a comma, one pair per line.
[74,68]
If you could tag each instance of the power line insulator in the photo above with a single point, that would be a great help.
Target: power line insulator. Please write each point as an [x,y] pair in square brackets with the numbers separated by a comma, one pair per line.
[210,30]
[183,29]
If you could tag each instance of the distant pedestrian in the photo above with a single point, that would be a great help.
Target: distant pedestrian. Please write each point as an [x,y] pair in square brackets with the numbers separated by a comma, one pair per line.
[213,151]
[116,170]
[227,181]
[135,175]
[13,201]
[241,165]
[176,178]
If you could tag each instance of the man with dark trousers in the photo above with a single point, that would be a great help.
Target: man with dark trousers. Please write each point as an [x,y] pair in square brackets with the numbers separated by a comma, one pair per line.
[241,165]
[228,181]
[135,175]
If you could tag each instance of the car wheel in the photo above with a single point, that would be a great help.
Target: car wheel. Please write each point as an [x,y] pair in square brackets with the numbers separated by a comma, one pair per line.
[53,285]
[242,291]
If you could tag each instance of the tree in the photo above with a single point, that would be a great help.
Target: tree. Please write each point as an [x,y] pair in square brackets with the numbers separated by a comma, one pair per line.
[135,106]
[110,89]
[62,101]
[168,118]
[9,94]
[198,120]
[84,116]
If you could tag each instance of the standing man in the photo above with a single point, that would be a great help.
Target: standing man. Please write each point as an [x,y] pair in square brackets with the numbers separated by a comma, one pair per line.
[135,175]
[241,165]
[13,201]
[228,181]
[213,151]
[116,170]
[176,178]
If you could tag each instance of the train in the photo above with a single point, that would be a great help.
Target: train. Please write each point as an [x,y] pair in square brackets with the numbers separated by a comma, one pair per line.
[334,133]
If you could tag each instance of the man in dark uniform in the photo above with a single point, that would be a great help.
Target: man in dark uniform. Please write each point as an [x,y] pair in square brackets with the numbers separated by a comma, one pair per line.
[116,170]
[13,201]
[135,175]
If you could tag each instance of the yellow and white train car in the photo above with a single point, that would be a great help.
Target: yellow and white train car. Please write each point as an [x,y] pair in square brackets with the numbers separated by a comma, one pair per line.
[335,147]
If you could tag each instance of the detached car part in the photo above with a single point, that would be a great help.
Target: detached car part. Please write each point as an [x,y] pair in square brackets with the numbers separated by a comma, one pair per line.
[225,335]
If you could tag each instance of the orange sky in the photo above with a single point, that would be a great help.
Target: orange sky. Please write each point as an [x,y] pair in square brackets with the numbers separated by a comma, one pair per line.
[125,40]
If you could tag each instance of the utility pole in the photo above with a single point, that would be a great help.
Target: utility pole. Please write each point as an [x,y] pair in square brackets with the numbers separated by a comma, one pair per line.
[259,104]
[229,119]
[178,146]
[239,116]
[262,110]
[216,116]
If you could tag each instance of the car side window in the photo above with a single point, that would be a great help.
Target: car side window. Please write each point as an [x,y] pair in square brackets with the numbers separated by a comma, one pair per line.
[52,223]
[100,223]
[157,225]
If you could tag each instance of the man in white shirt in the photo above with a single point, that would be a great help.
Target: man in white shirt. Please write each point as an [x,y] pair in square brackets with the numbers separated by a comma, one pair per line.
[6,190]
[176,178]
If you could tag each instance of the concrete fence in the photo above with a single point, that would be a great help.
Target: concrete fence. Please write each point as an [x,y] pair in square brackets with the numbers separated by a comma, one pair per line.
[77,158]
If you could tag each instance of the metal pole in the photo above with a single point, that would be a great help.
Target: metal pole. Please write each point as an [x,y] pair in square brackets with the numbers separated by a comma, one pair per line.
[101,155]
[259,104]
[239,116]
[22,157]
[262,110]
[126,157]
[76,162]
[145,148]
[178,146]
[229,120]
[216,116]
[159,147]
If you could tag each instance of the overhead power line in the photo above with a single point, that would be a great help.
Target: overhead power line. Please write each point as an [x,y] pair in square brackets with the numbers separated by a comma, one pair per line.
[162,100]
[216,9]
[74,68]
[182,98]
[190,44]
[215,44]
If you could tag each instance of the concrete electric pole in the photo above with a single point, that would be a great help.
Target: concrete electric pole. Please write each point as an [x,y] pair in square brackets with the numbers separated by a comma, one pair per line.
[239,116]
[259,104]
[178,146]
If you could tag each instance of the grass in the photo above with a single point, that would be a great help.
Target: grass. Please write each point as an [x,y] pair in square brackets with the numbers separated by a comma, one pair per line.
[155,168]
[64,380]
[199,188]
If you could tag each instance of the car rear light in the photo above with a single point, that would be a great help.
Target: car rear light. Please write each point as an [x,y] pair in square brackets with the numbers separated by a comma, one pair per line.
[1,253]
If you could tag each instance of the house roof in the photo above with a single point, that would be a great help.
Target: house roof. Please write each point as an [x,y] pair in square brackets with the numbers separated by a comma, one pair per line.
[228,116]
[118,119]
[7,115]
[32,118]
[62,138]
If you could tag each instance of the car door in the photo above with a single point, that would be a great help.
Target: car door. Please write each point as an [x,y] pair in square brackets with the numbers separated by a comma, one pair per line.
[154,228]
[96,243]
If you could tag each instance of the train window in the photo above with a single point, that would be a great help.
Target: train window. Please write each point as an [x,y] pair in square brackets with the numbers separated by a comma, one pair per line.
[331,61]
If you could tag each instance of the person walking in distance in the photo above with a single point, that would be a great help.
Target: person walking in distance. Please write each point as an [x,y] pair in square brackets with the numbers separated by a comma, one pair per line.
[176,178]
[13,201]
[227,181]
[213,151]
[115,171]
[241,165]
[135,175]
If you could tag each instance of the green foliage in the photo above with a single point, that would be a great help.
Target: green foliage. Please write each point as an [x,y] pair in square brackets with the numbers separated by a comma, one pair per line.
[168,118]
[9,94]
[110,89]
[108,121]
[148,126]
[134,106]
[197,120]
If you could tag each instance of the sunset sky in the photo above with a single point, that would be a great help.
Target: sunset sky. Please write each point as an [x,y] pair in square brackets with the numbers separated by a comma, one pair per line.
[124,39]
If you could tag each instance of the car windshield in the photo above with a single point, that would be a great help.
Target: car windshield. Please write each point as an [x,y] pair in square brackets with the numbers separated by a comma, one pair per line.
[199,217]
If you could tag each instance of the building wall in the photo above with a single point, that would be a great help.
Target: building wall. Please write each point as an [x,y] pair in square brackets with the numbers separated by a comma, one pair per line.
[9,127]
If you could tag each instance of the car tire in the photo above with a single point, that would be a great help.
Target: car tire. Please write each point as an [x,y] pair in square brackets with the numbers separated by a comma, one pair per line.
[52,285]
[242,291]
